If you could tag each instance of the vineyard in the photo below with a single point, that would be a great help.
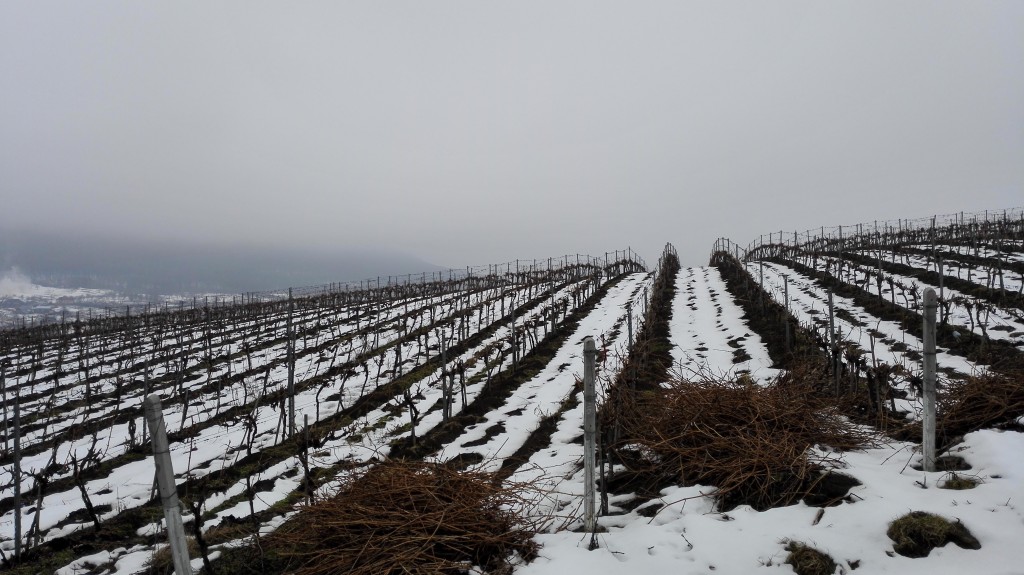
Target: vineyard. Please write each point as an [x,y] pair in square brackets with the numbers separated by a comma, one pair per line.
[759,413]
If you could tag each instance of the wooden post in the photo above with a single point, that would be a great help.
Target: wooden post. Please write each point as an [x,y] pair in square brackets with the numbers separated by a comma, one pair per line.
[589,436]
[305,451]
[3,394]
[145,393]
[291,365]
[839,275]
[512,328]
[446,408]
[760,282]
[17,473]
[168,489]
[629,322]
[554,314]
[942,290]
[785,291]
[832,340]
[928,439]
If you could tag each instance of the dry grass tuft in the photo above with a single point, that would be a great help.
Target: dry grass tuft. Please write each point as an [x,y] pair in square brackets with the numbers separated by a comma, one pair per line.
[760,446]
[958,482]
[917,533]
[401,517]
[808,560]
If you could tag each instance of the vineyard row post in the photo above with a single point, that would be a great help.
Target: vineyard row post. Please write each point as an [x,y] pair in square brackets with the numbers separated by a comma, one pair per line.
[928,431]
[17,472]
[165,482]
[833,347]
[3,406]
[589,437]
[511,328]
[291,365]
[446,408]
[145,392]
[785,287]
[629,322]
[942,290]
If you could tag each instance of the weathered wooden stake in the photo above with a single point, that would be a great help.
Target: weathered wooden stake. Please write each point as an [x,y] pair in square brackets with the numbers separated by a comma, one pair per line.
[165,482]
[145,393]
[589,435]
[446,409]
[291,366]
[3,394]
[554,313]
[785,289]
[942,290]
[928,440]
[305,451]
[629,322]
[512,328]
[833,355]
[17,473]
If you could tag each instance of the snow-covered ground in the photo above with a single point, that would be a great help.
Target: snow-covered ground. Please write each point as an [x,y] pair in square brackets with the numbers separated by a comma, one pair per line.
[687,535]
[884,341]
[1012,252]
[213,447]
[23,301]
[709,336]
[16,285]
[967,312]
[1011,281]
[546,391]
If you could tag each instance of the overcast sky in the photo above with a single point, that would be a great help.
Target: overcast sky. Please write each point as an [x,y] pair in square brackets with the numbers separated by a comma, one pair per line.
[472,132]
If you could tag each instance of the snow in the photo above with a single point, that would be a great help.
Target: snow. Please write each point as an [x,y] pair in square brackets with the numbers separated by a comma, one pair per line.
[545,392]
[15,284]
[809,305]
[1002,324]
[1011,281]
[687,535]
[707,327]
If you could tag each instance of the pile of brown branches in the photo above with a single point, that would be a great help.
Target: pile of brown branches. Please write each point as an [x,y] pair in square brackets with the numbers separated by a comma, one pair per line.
[401,517]
[986,400]
[760,446]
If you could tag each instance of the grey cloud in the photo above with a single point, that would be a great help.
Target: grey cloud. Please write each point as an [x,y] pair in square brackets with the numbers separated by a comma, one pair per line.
[466,133]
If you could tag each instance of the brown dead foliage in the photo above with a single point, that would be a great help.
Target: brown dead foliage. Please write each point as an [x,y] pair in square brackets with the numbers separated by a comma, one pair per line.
[409,517]
[760,446]
[981,401]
